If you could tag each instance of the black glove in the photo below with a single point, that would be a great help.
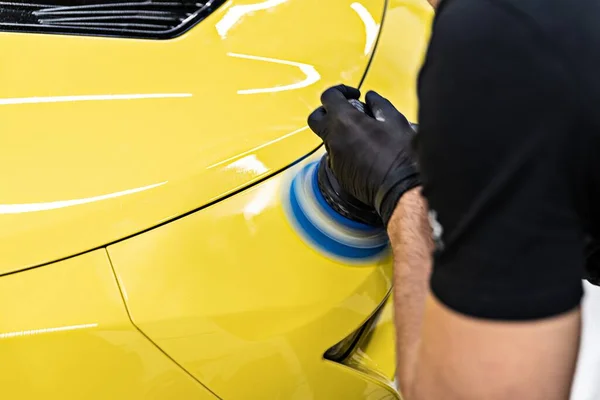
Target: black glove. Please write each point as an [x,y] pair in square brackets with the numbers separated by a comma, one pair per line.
[370,154]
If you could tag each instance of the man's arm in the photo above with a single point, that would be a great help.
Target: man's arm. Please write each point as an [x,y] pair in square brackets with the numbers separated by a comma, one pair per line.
[497,150]
[452,356]
[464,358]
[410,235]
[498,161]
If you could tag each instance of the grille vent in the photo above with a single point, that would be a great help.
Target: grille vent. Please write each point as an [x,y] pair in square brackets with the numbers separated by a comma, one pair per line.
[152,19]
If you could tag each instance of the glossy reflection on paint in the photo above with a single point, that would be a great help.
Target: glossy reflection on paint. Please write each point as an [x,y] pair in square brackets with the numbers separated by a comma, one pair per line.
[371,27]
[312,76]
[91,97]
[237,12]
[53,205]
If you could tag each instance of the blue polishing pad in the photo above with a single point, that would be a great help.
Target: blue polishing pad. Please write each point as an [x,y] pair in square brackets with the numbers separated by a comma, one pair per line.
[323,228]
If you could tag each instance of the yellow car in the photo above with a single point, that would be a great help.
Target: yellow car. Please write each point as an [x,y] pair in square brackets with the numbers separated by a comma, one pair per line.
[144,249]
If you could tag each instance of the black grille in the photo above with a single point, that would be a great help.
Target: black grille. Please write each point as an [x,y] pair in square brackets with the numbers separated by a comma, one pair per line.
[137,19]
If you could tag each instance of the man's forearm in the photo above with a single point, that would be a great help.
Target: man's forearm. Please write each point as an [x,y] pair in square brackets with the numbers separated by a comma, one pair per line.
[410,236]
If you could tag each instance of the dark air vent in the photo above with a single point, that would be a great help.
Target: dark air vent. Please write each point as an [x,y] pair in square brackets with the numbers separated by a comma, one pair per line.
[152,19]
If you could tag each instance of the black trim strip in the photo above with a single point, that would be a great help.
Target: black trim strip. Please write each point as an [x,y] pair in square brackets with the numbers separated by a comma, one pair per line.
[381,24]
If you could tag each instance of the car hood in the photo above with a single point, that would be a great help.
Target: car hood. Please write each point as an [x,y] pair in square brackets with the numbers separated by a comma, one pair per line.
[103,138]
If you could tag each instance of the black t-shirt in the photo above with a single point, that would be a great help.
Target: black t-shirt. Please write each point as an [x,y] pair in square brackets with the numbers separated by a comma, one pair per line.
[509,149]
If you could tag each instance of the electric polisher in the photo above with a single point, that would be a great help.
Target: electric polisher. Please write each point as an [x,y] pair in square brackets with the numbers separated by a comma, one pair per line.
[329,218]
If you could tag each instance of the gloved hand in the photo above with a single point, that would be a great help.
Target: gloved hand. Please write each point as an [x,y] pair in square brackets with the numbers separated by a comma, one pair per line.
[369,154]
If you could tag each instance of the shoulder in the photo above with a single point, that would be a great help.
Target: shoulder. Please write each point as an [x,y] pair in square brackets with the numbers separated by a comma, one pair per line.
[498,48]
[550,25]
[498,161]
[516,24]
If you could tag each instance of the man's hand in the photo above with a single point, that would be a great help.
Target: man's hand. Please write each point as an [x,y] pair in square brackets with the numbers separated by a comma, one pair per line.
[369,153]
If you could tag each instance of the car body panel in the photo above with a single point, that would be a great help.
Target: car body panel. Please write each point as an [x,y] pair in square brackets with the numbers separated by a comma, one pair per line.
[374,353]
[400,51]
[105,137]
[235,295]
[223,300]
[65,334]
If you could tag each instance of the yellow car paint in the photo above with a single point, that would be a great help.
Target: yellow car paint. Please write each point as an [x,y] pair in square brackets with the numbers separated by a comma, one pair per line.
[231,294]
[235,295]
[400,51]
[65,334]
[103,138]
[374,353]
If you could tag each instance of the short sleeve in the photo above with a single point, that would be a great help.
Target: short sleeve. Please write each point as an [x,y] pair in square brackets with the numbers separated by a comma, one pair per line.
[496,149]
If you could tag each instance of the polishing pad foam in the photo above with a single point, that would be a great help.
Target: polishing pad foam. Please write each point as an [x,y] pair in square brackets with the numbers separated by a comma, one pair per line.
[322,227]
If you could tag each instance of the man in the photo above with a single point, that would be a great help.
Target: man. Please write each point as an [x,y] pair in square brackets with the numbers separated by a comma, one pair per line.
[509,174]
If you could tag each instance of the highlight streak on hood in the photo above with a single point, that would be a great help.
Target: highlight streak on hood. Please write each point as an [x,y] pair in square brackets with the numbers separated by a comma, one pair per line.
[53,205]
[91,97]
